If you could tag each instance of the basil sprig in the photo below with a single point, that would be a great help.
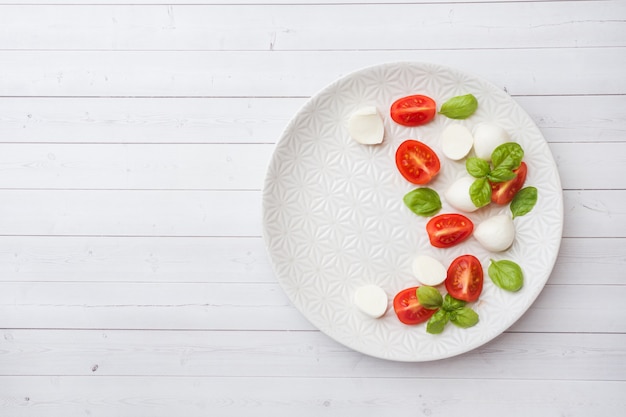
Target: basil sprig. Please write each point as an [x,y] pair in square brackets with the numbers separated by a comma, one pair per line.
[429,297]
[501,175]
[423,201]
[448,309]
[506,274]
[437,322]
[477,168]
[509,156]
[524,201]
[459,107]
[480,192]
[450,303]
[464,317]
[505,158]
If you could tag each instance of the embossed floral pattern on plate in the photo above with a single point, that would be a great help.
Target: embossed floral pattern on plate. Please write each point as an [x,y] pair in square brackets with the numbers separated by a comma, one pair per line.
[334,219]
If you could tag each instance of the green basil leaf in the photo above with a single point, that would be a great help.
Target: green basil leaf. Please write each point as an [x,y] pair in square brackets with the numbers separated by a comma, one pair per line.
[429,297]
[464,317]
[477,168]
[501,175]
[508,155]
[450,303]
[480,192]
[423,201]
[506,274]
[459,107]
[437,322]
[524,201]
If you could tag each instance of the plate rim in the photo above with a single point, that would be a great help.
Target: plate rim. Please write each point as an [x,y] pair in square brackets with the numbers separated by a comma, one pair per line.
[530,300]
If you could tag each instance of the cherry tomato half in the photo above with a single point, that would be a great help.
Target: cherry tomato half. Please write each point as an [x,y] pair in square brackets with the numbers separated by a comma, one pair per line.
[413,110]
[408,308]
[416,162]
[465,278]
[503,192]
[446,230]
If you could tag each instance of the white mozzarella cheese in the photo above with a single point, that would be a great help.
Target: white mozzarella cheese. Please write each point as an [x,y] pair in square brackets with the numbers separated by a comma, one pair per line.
[371,300]
[366,126]
[428,270]
[456,141]
[488,137]
[496,233]
[458,194]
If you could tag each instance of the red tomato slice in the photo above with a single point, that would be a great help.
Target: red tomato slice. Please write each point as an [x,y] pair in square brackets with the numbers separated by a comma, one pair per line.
[408,308]
[503,192]
[465,278]
[413,110]
[416,162]
[447,230]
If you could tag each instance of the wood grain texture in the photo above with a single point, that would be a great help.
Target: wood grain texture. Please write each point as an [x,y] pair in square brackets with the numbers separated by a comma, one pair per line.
[586,118]
[134,139]
[304,396]
[315,27]
[225,166]
[571,356]
[588,213]
[251,306]
[581,261]
[240,2]
[294,73]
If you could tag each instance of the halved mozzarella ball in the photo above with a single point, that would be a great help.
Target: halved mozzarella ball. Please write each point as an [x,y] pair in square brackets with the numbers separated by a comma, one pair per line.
[371,300]
[366,126]
[496,233]
[488,137]
[458,194]
[428,270]
[456,141]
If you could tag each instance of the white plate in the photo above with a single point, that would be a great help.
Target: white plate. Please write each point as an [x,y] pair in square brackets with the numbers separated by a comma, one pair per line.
[334,218]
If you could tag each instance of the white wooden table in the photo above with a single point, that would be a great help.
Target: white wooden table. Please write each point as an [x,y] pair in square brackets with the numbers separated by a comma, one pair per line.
[134,139]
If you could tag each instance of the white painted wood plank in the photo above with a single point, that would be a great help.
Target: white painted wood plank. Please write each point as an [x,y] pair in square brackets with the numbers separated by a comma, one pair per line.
[559,308]
[248,2]
[590,261]
[588,213]
[147,306]
[200,306]
[589,166]
[154,213]
[147,120]
[228,167]
[545,71]
[594,261]
[289,354]
[134,259]
[578,118]
[314,27]
[94,166]
[594,214]
[303,396]
[253,119]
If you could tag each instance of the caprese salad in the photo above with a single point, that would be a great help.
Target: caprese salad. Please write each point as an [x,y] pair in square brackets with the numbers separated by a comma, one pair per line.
[496,174]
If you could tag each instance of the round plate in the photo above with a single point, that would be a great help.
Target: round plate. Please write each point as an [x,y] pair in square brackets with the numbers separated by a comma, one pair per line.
[334,218]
